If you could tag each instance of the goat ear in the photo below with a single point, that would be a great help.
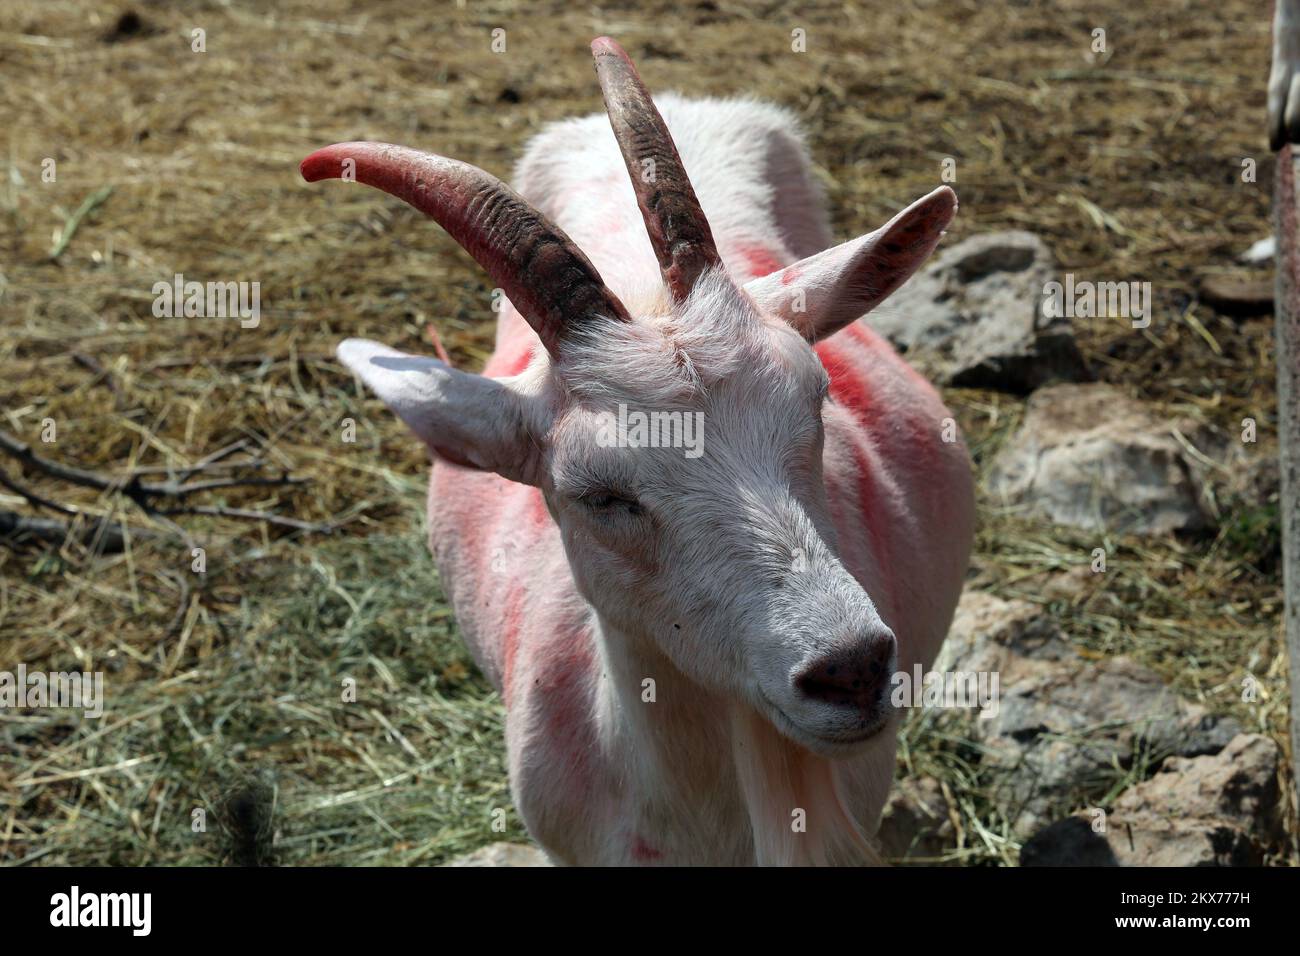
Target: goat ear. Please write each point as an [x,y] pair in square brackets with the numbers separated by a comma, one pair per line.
[825,292]
[469,420]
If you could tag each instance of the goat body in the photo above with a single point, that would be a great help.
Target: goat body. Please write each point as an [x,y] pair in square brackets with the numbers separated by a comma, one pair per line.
[599,775]
[693,658]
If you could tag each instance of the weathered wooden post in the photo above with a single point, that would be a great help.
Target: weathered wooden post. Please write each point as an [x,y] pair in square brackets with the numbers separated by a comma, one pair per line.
[1286,203]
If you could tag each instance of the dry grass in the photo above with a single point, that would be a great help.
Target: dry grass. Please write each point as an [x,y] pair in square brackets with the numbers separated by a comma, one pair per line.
[1129,168]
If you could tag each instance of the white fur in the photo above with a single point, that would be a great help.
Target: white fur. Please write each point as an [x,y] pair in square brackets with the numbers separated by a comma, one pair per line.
[743,565]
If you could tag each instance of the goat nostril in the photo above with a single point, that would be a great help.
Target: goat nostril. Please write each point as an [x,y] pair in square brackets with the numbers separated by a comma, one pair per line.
[825,691]
[849,676]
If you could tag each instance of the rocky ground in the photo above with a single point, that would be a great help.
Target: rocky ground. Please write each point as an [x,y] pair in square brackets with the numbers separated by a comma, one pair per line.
[1197,789]
[1065,725]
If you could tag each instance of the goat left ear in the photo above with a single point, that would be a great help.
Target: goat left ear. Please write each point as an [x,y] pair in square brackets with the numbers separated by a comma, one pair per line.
[469,420]
[825,292]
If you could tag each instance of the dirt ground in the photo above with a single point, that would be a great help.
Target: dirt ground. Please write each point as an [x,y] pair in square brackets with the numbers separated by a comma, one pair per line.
[225,688]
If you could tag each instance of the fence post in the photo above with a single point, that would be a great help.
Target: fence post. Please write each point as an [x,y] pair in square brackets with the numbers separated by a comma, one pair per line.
[1286,203]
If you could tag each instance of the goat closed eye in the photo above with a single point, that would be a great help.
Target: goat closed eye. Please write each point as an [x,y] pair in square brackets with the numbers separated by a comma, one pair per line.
[607,503]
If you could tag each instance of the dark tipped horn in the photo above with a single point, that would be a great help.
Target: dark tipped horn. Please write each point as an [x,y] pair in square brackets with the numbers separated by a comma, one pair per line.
[547,277]
[679,233]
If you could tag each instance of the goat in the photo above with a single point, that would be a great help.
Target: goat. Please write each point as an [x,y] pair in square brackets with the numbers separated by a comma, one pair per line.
[694,652]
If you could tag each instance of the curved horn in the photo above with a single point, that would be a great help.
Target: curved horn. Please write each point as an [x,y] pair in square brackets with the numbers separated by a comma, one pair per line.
[545,274]
[679,233]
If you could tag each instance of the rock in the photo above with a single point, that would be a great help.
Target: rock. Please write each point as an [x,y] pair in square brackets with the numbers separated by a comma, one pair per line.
[1091,457]
[1237,297]
[1065,724]
[1260,251]
[502,854]
[916,824]
[1237,785]
[1218,810]
[974,317]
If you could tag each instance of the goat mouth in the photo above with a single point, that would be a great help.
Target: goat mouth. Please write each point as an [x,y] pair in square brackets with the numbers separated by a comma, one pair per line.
[828,745]
[847,740]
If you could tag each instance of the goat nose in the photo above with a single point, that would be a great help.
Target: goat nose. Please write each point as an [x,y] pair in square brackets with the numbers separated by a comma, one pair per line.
[855,674]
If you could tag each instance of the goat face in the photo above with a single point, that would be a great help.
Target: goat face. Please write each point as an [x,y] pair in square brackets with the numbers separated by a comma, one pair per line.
[683,466]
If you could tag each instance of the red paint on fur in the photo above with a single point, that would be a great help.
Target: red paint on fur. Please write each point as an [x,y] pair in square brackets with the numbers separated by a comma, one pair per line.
[519,363]
[537,509]
[851,387]
[509,361]
[848,383]
[871,501]
[510,627]
[643,852]
[564,669]
[758,260]
[907,424]
[515,345]
[873,340]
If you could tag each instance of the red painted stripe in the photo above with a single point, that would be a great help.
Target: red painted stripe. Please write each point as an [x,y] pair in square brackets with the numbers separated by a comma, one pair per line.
[877,518]
[508,362]
[851,387]
[849,384]
[758,261]
[643,852]
[510,627]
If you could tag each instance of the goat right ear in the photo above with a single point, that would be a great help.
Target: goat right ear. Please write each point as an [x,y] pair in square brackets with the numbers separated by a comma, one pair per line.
[469,420]
[825,292]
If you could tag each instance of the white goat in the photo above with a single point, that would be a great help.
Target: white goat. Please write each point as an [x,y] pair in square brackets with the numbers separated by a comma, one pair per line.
[694,650]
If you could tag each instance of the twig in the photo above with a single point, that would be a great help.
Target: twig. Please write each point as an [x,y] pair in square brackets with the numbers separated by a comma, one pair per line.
[207,462]
[33,497]
[221,453]
[88,205]
[143,493]
[186,361]
[183,606]
[129,485]
[50,529]
[181,490]
[87,479]
[184,471]
[220,512]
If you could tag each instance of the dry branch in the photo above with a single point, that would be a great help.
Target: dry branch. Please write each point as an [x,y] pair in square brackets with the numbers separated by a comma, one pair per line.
[110,534]
[129,485]
[145,493]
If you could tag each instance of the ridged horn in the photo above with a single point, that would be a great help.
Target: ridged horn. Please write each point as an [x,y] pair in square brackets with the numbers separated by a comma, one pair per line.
[546,276]
[679,233]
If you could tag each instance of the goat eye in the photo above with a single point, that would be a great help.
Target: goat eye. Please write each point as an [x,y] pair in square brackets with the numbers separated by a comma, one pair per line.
[607,501]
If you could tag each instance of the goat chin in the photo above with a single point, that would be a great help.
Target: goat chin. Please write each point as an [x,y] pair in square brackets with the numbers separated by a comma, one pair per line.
[776,777]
